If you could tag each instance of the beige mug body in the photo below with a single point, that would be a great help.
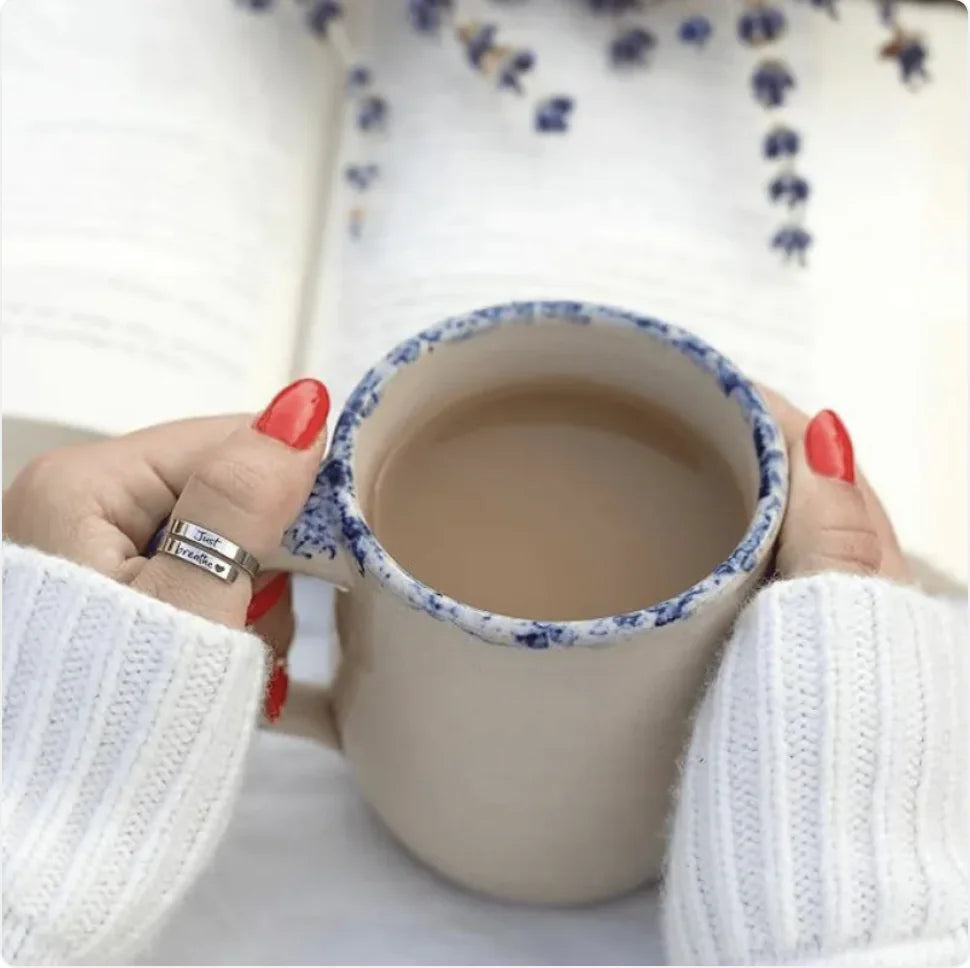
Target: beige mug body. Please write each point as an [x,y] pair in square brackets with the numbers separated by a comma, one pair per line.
[530,760]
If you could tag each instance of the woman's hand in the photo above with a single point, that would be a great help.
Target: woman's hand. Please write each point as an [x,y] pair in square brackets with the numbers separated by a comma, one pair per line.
[100,504]
[834,520]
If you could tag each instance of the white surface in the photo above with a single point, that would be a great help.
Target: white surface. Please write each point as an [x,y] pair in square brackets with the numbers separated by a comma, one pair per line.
[307,875]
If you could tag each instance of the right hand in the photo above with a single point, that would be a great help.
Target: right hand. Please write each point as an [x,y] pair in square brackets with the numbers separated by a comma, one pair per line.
[834,521]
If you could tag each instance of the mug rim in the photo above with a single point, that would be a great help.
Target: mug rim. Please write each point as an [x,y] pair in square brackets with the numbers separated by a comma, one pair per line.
[335,496]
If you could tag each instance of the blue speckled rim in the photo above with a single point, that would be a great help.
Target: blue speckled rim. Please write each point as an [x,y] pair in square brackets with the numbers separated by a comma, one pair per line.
[332,517]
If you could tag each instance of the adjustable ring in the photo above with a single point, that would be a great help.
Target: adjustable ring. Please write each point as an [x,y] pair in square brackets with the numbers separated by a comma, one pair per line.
[208,550]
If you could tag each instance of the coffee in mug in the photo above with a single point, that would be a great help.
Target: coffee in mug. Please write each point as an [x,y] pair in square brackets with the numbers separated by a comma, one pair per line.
[556,499]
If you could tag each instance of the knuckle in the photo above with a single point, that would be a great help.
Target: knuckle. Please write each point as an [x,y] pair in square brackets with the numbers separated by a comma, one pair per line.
[41,473]
[853,546]
[243,483]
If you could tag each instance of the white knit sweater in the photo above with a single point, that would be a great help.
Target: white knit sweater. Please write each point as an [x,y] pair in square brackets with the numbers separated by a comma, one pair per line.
[822,817]
[125,726]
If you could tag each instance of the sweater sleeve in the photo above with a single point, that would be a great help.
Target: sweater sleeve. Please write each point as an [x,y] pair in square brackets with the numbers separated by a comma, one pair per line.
[125,726]
[822,816]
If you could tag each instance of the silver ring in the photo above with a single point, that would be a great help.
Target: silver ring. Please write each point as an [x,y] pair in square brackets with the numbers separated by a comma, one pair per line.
[215,545]
[199,557]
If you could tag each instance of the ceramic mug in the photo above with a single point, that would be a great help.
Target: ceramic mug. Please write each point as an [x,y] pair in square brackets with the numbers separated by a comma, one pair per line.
[533,760]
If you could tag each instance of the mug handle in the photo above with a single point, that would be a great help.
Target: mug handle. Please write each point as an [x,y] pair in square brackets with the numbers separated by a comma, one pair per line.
[313,546]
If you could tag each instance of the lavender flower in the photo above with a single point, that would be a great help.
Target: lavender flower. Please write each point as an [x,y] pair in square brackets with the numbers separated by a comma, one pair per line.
[771,82]
[552,114]
[781,142]
[695,30]
[630,48]
[762,25]
[358,77]
[479,39]
[372,113]
[790,188]
[361,176]
[792,240]
[426,15]
[518,63]
[912,60]
[320,15]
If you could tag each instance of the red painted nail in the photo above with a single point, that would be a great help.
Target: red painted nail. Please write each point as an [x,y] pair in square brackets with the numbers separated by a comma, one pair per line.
[296,414]
[828,447]
[263,600]
[276,690]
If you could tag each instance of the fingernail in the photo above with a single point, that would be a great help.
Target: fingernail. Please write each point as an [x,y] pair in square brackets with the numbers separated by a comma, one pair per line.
[263,600]
[828,447]
[296,414]
[276,690]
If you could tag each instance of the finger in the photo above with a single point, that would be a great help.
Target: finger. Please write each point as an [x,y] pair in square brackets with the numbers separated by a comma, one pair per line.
[793,423]
[271,616]
[151,467]
[248,489]
[828,525]
[270,612]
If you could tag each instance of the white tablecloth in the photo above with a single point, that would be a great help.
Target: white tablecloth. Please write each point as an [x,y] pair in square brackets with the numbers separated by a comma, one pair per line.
[307,875]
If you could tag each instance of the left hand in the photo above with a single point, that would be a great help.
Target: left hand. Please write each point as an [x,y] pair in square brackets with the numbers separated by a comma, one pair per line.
[99,504]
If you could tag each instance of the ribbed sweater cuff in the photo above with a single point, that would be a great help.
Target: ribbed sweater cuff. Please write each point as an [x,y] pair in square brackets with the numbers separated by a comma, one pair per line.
[822,815]
[125,725]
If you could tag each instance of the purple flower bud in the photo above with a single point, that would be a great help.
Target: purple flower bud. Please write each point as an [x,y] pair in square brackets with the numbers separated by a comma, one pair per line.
[320,15]
[520,62]
[781,142]
[361,176]
[912,60]
[479,41]
[426,15]
[792,240]
[695,30]
[631,47]
[372,113]
[358,77]
[761,25]
[790,188]
[552,115]
[771,82]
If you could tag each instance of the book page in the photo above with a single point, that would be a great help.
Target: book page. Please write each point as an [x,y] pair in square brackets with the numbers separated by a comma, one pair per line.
[162,162]
[656,200]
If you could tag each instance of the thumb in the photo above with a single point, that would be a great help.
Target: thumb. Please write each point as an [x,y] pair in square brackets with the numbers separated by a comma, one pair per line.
[828,525]
[248,490]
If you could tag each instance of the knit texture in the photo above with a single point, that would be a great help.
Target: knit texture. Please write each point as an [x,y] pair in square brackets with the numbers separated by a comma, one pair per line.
[125,727]
[822,817]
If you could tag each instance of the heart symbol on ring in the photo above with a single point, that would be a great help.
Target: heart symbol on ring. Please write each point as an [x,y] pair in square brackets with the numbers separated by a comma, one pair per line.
[220,568]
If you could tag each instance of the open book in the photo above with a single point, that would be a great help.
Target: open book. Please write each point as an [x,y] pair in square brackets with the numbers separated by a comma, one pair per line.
[175,235]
